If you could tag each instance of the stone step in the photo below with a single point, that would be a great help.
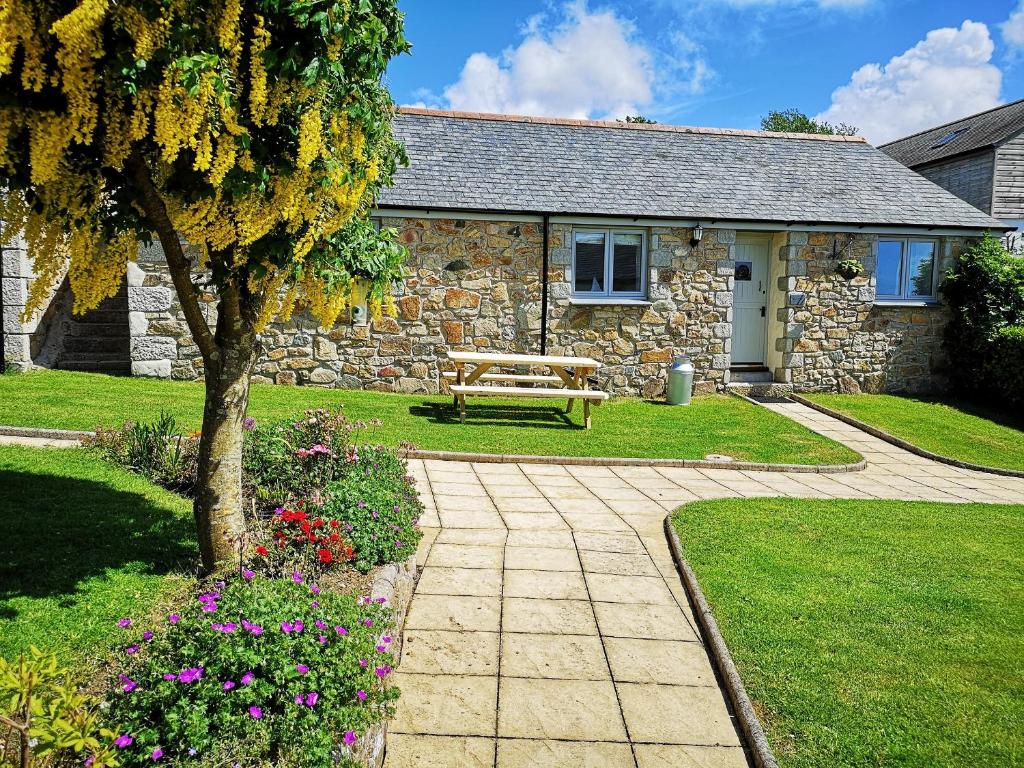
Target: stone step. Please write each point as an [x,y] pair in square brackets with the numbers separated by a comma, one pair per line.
[96,354]
[97,329]
[750,376]
[113,367]
[759,389]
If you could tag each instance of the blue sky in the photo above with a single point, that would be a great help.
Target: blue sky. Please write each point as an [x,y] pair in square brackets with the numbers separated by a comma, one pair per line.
[890,68]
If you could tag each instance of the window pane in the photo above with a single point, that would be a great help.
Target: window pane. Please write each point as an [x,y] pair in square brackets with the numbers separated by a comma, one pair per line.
[890,254]
[627,263]
[589,277]
[921,268]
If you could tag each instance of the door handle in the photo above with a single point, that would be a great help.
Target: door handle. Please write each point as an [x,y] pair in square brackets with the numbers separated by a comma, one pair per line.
[762,311]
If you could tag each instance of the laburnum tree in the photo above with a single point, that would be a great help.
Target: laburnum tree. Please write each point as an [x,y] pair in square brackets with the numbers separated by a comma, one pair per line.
[250,136]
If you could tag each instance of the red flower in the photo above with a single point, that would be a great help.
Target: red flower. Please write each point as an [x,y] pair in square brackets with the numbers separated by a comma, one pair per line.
[335,524]
[335,536]
[261,550]
[325,556]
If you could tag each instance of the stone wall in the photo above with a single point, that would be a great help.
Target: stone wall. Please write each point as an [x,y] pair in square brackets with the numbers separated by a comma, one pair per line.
[834,335]
[475,285]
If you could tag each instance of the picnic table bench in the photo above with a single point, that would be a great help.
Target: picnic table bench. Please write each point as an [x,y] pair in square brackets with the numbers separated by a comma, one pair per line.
[568,379]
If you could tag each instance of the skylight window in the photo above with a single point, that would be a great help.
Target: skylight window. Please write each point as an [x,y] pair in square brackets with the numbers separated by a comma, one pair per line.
[949,137]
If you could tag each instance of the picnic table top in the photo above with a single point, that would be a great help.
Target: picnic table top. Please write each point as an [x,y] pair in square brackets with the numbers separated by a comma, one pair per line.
[517,359]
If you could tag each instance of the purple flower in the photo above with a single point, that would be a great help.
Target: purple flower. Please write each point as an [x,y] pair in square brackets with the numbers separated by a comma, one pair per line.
[301,669]
[147,635]
[350,738]
[315,589]
[248,423]
[382,671]
[341,630]
[319,624]
[208,597]
[382,648]
[170,676]
[299,625]
[209,607]
[375,514]
[297,577]
[123,623]
[362,505]
[287,627]
[322,639]
[228,685]
[219,585]
[381,600]
[363,663]
[247,678]
[192,751]
[229,626]
[368,622]
[122,741]
[190,675]
[255,713]
[361,695]
[173,618]
[386,639]
[298,698]
[157,754]
[247,574]
[311,698]
[131,649]
[314,604]
[128,685]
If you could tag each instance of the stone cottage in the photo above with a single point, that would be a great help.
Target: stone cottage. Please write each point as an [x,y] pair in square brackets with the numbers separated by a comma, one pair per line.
[629,243]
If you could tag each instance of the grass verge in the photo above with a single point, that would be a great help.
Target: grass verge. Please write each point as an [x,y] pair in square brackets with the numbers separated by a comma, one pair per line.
[82,544]
[952,428]
[870,632]
[622,427]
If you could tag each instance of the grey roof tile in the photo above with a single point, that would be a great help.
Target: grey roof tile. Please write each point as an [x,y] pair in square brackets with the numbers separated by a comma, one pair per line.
[565,167]
[973,132]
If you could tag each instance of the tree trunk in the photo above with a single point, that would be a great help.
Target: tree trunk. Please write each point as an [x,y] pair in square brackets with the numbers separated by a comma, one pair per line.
[218,503]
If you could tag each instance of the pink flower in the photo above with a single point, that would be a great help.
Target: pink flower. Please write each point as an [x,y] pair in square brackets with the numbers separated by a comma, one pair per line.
[350,738]
[157,754]
[319,624]
[341,630]
[147,635]
[173,618]
[255,713]
[297,577]
[247,574]
[311,698]
[247,678]
[128,685]
[190,674]
[363,663]
[131,649]
[361,695]
[122,741]
[314,589]
[124,623]
[209,607]
[301,669]
[322,639]
[170,676]
[228,685]
[382,671]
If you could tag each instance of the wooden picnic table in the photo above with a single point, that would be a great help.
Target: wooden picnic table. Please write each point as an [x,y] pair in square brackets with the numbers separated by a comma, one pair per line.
[568,377]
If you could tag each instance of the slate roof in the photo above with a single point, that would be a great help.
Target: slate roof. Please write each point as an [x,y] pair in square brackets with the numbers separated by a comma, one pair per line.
[494,163]
[974,132]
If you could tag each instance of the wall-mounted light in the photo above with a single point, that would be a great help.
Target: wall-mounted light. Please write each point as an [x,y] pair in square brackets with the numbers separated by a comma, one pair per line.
[698,233]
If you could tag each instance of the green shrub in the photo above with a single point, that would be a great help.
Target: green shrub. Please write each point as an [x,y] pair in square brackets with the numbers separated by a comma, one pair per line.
[155,450]
[985,293]
[378,507]
[256,671]
[46,719]
[285,461]
[1006,364]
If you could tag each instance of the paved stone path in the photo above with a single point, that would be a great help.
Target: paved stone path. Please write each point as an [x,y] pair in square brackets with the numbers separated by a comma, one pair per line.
[549,626]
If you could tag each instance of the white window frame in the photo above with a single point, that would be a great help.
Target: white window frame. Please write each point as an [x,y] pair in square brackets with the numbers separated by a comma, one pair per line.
[609,256]
[905,293]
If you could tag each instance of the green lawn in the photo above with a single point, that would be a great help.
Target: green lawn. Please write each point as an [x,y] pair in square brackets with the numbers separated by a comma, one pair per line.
[622,427]
[948,427]
[83,543]
[871,633]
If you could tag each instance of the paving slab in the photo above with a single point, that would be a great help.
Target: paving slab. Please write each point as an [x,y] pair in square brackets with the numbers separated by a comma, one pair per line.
[549,626]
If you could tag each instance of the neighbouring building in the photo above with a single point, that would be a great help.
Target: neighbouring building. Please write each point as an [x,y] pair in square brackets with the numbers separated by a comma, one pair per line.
[630,243]
[979,158]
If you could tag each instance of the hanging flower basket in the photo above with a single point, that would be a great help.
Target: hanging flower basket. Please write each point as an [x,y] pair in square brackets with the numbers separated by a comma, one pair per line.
[849,268]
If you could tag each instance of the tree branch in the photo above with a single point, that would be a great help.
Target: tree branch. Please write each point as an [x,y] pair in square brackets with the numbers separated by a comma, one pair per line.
[181,269]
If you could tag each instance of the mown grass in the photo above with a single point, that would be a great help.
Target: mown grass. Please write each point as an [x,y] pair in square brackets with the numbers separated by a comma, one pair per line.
[952,428]
[622,427]
[871,632]
[82,543]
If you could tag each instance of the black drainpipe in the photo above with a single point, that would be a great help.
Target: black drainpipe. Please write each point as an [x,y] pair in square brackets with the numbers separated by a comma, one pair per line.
[544,291]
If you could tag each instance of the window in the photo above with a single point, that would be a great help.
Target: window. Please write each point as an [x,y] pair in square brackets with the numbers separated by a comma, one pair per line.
[608,262]
[949,138]
[906,269]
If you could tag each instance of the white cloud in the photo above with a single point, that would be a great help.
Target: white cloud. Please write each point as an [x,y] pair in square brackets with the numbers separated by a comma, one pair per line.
[588,64]
[944,77]
[1013,27]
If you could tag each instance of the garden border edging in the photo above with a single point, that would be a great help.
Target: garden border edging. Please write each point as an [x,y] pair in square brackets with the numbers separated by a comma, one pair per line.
[394,582]
[753,731]
[502,458]
[899,442]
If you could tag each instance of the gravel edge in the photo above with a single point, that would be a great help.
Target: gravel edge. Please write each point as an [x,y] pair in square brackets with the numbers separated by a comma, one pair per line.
[899,442]
[750,725]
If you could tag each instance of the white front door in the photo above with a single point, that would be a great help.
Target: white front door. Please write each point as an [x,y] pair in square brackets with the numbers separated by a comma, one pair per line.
[750,301]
